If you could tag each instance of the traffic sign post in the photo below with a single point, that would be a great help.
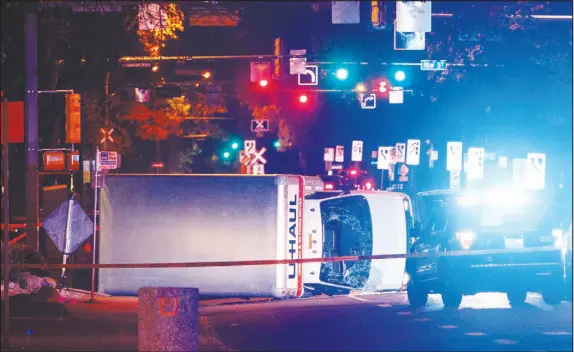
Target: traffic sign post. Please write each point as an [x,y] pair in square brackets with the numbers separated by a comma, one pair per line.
[535,171]
[107,160]
[400,152]
[258,157]
[413,152]
[249,147]
[454,156]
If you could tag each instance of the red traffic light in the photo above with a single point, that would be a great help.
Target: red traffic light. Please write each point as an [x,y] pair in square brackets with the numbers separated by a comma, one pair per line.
[263,83]
[303,98]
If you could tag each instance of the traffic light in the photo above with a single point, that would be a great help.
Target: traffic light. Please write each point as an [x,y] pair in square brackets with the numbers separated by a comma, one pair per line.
[384,86]
[277,144]
[342,74]
[400,76]
[226,155]
[303,99]
[263,83]
[234,145]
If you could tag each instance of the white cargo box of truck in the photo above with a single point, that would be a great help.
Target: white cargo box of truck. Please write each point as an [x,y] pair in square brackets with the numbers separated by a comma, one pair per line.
[202,218]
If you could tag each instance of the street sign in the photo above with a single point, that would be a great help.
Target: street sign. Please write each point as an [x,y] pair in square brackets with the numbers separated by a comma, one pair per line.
[340,154]
[258,156]
[73,118]
[384,158]
[455,179]
[535,170]
[400,154]
[396,95]
[345,12]
[298,64]
[329,154]
[433,65]
[259,125]
[259,169]
[475,163]
[413,16]
[454,156]
[68,236]
[107,160]
[368,101]
[249,147]
[434,155]
[403,173]
[357,153]
[54,161]
[413,152]
[260,70]
[310,77]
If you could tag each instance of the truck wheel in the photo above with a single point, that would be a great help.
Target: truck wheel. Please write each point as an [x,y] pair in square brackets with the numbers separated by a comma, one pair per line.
[516,297]
[418,297]
[552,296]
[452,298]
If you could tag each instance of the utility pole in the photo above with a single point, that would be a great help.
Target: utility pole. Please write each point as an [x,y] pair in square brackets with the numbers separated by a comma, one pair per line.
[31,123]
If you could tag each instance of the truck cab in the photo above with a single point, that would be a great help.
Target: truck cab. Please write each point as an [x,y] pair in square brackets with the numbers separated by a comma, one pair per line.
[354,224]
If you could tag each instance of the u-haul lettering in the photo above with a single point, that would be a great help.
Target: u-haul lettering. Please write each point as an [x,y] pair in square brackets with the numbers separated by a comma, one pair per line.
[295,235]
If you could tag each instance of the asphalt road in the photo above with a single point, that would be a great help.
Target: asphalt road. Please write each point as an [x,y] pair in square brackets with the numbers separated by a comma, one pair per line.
[484,322]
[383,322]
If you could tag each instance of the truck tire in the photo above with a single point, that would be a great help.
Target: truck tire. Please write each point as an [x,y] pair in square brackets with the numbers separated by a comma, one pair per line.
[452,298]
[417,296]
[516,297]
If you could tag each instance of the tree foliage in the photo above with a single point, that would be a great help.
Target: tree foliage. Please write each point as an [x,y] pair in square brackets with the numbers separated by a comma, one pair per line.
[154,39]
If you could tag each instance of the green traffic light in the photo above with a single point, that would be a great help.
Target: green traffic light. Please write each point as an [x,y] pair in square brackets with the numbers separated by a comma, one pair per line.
[226,155]
[277,144]
[235,145]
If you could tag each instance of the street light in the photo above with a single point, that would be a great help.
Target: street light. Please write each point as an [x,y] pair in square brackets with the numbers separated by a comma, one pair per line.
[206,74]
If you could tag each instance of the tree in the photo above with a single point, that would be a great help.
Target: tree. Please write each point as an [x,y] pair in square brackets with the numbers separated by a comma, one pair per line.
[154,39]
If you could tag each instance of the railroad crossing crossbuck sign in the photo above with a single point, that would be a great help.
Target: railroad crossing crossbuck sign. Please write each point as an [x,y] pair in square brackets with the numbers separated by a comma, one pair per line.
[107,135]
[259,125]
[258,157]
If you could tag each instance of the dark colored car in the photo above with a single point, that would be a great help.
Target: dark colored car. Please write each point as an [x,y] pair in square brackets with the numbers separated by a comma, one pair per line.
[491,220]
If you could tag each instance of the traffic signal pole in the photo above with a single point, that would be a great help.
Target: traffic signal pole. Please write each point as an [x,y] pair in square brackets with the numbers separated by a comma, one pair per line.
[31,125]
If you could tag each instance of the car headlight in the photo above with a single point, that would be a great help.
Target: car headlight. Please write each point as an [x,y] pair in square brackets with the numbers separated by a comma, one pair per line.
[465,238]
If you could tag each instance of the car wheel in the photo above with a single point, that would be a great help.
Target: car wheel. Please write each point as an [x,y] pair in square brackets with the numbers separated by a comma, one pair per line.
[516,297]
[452,298]
[552,297]
[417,296]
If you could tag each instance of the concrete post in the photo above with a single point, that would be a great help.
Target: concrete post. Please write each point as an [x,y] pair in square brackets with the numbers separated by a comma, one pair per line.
[168,319]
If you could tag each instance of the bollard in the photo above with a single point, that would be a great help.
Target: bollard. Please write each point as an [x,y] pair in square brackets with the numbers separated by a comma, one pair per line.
[168,319]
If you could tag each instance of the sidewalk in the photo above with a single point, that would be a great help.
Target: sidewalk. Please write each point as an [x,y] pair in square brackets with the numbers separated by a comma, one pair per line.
[109,324]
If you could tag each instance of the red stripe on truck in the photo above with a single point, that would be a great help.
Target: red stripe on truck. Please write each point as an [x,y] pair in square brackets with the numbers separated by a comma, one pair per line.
[300,237]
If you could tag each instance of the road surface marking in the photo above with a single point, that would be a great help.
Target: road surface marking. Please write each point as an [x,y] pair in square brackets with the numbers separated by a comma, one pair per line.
[557,333]
[505,342]
[423,319]
[475,333]
[360,299]
[447,326]
[404,313]
[384,305]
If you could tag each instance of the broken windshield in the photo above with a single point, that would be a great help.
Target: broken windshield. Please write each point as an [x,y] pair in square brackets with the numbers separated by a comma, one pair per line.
[347,231]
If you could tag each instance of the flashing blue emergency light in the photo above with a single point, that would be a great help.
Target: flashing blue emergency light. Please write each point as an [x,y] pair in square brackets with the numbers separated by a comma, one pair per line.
[342,74]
